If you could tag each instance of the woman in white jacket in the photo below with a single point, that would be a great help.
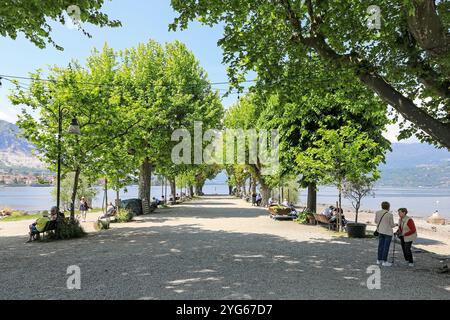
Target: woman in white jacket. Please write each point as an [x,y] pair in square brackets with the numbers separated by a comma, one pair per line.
[385,224]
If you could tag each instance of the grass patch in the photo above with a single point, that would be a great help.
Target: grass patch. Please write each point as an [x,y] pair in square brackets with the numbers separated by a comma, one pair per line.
[339,234]
[21,217]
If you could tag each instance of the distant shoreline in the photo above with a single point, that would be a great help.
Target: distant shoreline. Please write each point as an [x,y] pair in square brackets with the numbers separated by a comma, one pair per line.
[421,202]
[224,184]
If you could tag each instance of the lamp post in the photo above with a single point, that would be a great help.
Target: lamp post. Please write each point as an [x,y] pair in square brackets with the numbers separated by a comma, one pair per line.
[74,128]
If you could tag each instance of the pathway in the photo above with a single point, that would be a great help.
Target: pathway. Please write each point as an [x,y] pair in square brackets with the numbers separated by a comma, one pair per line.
[215,247]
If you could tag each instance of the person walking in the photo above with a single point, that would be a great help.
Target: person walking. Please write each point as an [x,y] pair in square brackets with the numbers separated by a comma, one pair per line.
[385,224]
[407,233]
[84,207]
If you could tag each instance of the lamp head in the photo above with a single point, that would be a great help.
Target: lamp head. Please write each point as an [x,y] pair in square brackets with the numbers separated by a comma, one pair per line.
[74,128]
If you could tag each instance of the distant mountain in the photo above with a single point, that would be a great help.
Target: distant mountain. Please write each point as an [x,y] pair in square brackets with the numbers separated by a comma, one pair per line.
[416,164]
[411,155]
[9,139]
[15,152]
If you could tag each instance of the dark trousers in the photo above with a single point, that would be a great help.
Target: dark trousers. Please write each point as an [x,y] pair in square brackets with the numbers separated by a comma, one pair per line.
[406,247]
[384,242]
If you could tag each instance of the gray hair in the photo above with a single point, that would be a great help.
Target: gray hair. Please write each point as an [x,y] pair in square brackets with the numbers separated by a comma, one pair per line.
[54,208]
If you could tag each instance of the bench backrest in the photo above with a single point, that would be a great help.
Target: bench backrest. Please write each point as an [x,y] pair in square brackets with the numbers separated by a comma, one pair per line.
[321,218]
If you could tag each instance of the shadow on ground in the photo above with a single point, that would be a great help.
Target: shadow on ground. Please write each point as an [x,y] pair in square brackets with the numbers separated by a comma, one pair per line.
[185,261]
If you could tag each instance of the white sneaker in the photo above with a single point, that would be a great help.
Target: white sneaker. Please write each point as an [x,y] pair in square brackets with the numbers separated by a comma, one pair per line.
[411,264]
[379,262]
[387,264]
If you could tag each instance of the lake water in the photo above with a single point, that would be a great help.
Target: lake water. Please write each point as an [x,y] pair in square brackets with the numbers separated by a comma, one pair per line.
[419,201]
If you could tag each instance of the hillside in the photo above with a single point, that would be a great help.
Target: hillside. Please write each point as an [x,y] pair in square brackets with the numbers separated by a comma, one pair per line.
[416,164]
[411,155]
[16,153]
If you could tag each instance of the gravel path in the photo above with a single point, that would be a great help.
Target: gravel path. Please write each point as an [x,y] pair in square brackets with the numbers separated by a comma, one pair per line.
[210,248]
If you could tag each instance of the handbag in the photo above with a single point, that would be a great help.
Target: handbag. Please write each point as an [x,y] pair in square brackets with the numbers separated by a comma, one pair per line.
[376,233]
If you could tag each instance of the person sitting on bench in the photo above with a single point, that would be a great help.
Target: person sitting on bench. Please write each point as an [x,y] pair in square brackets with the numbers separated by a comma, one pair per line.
[110,211]
[333,220]
[328,212]
[156,201]
[43,224]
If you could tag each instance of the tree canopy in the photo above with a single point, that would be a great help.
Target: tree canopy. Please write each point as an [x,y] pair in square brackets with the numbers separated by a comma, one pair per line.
[127,104]
[31,18]
[406,62]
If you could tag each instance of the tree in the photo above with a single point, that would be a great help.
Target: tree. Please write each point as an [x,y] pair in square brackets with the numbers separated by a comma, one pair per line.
[356,189]
[119,169]
[85,188]
[342,154]
[30,17]
[406,63]
[167,89]
[245,115]
[81,93]
[328,101]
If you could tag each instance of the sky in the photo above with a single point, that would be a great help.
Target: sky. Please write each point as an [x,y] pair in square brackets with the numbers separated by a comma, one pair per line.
[141,20]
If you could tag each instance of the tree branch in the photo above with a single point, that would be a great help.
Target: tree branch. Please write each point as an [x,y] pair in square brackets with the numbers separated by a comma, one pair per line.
[368,75]
[427,28]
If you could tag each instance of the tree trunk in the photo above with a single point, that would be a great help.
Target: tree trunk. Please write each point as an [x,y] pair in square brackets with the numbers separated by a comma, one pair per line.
[340,211]
[150,186]
[144,184]
[199,188]
[165,190]
[427,28]
[106,195]
[230,190]
[436,129]
[253,185]
[311,204]
[74,193]
[118,200]
[357,211]
[191,190]
[173,190]
[265,193]
[162,187]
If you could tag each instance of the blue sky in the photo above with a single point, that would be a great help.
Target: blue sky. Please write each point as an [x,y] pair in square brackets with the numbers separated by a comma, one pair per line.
[141,20]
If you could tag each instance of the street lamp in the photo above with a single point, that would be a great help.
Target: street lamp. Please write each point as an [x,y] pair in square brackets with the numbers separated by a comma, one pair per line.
[74,128]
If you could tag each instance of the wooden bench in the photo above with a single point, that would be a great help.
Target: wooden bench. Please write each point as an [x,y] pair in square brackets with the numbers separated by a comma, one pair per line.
[49,226]
[320,218]
[280,213]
